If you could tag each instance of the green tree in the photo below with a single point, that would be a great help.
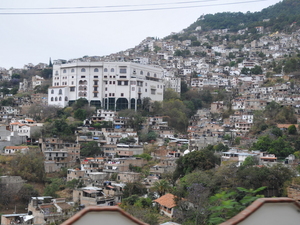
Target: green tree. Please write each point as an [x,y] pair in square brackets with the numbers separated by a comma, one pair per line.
[161,187]
[27,191]
[228,205]
[202,160]
[134,188]
[80,103]
[170,94]
[80,114]
[29,166]
[176,113]
[134,119]
[90,149]
[292,129]
[55,185]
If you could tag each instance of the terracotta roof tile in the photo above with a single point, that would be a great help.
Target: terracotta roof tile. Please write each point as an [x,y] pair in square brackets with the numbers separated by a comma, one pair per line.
[166,200]
[64,205]
[16,147]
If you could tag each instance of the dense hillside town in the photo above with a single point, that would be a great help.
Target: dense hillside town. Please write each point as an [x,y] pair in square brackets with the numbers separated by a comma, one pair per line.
[191,128]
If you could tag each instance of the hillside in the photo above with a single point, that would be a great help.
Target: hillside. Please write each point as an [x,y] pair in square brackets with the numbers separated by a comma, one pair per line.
[277,17]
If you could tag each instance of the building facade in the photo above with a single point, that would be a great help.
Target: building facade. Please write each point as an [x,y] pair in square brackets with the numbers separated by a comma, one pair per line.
[109,85]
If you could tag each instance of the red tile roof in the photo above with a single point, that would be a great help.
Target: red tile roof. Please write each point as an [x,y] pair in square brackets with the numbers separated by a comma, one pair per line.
[166,200]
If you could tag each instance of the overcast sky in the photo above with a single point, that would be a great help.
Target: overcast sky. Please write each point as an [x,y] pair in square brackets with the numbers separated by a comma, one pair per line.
[101,27]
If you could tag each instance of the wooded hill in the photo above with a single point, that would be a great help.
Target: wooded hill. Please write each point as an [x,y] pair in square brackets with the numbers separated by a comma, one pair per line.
[280,15]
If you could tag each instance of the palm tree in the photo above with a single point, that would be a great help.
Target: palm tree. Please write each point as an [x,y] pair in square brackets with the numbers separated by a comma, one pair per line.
[161,187]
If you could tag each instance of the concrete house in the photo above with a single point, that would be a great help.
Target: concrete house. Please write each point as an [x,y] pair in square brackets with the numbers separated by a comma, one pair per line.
[166,204]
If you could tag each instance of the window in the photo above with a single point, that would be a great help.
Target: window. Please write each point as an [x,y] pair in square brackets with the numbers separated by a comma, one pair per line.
[59,99]
[106,89]
[123,77]
[56,99]
[96,70]
[148,74]
[123,70]
[141,73]
[72,71]
[112,70]
[82,76]
[95,89]
[64,71]
[119,82]
[72,82]
[56,72]
[51,99]
[146,90]
[155,75]
[60,92]
[122,94]
[52,91]
[66,98]
[95,82]
[83,70]
[126,83]
[95,94]
[95,76]
[72,88]
[133,88]
[105,69]
[153,91]
[114,82]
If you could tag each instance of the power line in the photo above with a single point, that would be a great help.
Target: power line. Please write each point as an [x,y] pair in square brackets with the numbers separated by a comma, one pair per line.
[110,6]
[125,10]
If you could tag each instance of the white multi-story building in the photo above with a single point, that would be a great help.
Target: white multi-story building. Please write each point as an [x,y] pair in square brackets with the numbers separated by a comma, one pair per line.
[110,85]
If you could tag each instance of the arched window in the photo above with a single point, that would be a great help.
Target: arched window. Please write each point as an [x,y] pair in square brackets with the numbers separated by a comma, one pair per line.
[64,71]
[105,69]
[148,74]
[96,70]
[52,91]
[59,98]
[56,99]
[72,70]
[112,70]
[82,70]
[141,73]
[51,99]
[66,98]
[155,75]
[60,92]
